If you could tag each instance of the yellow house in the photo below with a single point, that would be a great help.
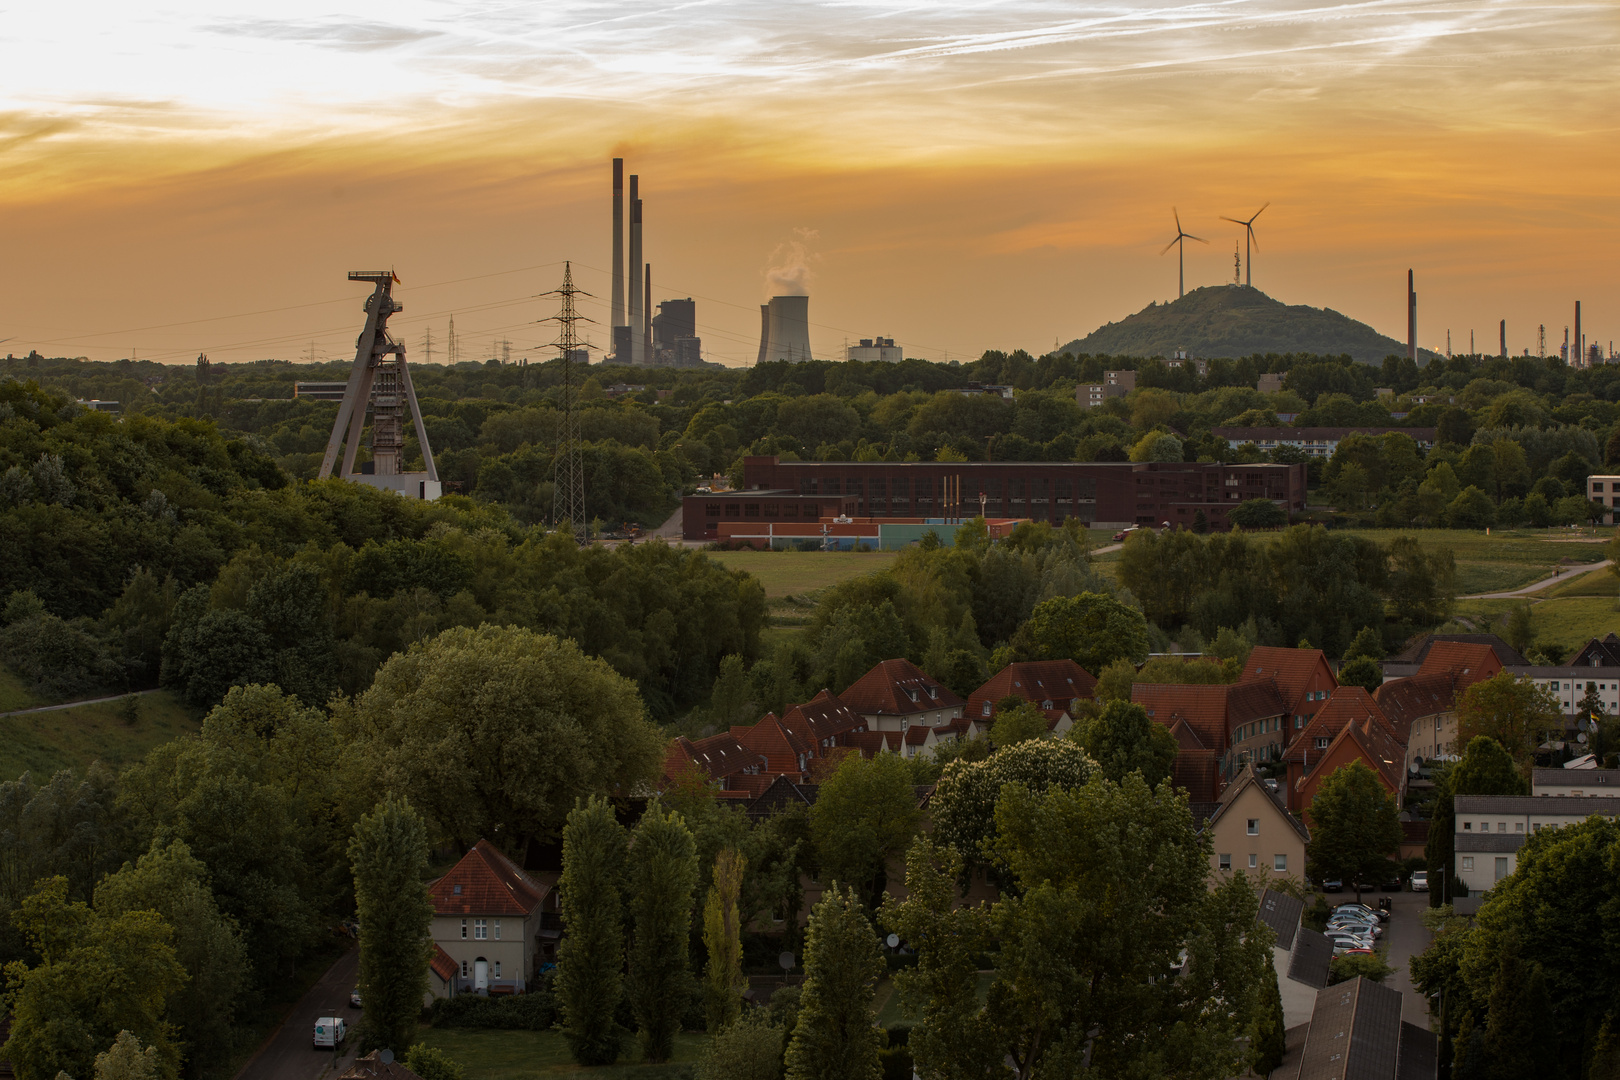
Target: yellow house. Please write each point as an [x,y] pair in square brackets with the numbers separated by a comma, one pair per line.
[486,922]
[1253,833]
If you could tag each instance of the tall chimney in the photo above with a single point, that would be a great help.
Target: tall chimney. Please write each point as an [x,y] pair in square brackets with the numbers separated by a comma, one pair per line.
[1504,339]
[1579,342]
[764,331]
[646,320]
[1411,316]
[634,322]
[618,244]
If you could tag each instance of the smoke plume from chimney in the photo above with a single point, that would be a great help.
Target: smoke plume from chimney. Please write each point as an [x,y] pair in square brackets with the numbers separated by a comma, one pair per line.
[790,272]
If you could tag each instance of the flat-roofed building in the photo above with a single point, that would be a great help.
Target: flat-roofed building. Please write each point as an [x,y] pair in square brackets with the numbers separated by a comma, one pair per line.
[1491,829]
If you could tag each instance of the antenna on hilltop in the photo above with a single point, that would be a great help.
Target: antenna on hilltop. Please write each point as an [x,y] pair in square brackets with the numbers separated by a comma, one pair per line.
[1237,265]
[1248,238]
[1182,235]
[568,475]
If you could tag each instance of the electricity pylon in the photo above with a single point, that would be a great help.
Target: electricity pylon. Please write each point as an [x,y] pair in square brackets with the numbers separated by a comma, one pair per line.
[568,474]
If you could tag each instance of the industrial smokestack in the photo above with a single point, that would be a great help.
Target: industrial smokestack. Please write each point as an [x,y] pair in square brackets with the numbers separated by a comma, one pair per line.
[1580,342]
[637,354]
[646,320]
[1411,315]
[789,329]
[618,244]
[764,331]
[1504,339]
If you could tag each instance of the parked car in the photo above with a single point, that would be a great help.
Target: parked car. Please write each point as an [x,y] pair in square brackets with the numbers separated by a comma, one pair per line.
[1357,926]
[330,1032]
[1390,884]
[1361,909]
[1123,533]
[1349,940]
[354,998]
[1338,951]
[1333,885]
[1420,881]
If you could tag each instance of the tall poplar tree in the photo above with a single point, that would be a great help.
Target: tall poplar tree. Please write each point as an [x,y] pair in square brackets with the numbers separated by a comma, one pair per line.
[722,933]
[837,1037]
[663,875]
[590,959]
[389,857]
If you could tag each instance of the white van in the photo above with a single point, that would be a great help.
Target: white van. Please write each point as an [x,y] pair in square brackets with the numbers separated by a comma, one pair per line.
[329,1032]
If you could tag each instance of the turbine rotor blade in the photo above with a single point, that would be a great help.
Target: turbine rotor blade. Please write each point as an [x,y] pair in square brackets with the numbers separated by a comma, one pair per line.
[1260,211]
[1177,214]
[1200,239]
[1253,239]
[1233,220]
[1170,245]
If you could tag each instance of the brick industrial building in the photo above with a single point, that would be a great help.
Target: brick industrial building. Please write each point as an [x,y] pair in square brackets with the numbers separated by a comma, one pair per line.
[1104,494]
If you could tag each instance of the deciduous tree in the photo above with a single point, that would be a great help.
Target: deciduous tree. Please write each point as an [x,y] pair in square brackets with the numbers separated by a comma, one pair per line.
[389,858]
[1355,828]
[1091,629]
[836,1037]
[590,959]
[662,874]
[1516,713]
[864,814]
[722,935]
[1122,740]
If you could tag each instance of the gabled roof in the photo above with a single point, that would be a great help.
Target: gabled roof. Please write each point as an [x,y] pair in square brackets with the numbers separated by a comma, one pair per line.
[1355,1033]
[780,746]
[1186,736]
[781,794]
[889,687]
[1373,744]
[1281,912]
[824,716]
[1290,669]
[442,964]
[1311,958]
[1248,701]
[872,743]
[1406,700]
[1347,705]
[1469,662]
[1606,651]
[1249,778]
[1033,680]
[919,735]
[1418,651]
[1201,707]
[719,756]
[486,882]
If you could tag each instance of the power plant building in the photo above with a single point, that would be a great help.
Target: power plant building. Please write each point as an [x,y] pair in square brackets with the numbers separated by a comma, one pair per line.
[785,330]
[882,350]
[1101,494]
[674,331]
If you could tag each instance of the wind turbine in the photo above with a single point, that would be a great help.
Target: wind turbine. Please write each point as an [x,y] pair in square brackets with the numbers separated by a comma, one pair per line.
[1248,238]
[1181,256]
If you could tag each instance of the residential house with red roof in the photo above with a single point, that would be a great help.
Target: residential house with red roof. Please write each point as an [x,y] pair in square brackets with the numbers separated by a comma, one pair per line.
[1050,685]
[486,922]
[721,760]
[1302,677]
[896,694]
[823,722]
[786,753]
[1469,662]
[1367,740]
[1239,722]
[1422,711]
[1346,707]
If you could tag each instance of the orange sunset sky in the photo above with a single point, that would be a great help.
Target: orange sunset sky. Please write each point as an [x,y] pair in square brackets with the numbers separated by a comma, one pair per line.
[960,176]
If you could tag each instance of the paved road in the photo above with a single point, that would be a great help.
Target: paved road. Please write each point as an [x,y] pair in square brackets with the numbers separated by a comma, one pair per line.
[289,1054]
[75,704]
[1556,579]
[1405,937]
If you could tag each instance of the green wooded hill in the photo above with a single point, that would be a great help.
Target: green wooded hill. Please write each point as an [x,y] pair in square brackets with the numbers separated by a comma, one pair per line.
[1231,320]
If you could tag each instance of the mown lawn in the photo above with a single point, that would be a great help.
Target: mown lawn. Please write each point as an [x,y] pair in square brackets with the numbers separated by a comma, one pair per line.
[1502,560]
[1568,621]
[517,1055]
[44,742]
[793,573]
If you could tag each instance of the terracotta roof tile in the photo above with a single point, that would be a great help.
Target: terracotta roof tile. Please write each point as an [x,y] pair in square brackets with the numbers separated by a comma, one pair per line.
[1057,681]
[897,688]
[1346,705]
[823,717]
[442,964]
[719,756]
[1212,710]
[1408,699]
[1470,662]
[486,882]
[1291,670]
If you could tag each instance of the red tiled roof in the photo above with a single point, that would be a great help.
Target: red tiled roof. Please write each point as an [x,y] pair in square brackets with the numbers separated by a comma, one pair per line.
[1414,832]
[443,966]
[1346,705]
[1468,661]
[486,882]
[1290,669]
[1212,710]
[781,747]
[897,688]
[824,716]
[1057,681]
[719,756]
[1406,700]
[917,734]
[1186,735]
[1198,773]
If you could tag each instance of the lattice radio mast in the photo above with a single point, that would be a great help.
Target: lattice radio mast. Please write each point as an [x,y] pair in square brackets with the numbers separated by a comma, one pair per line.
[568,477]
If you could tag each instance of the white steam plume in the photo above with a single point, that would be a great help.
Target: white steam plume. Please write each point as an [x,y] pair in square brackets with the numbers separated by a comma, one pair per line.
[790,271]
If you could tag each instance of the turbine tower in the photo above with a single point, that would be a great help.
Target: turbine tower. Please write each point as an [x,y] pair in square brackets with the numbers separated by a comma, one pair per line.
[1248,238]
[1182,235]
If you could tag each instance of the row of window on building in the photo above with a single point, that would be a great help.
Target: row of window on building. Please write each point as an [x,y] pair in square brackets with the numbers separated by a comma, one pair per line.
[1279,863]
[480,929]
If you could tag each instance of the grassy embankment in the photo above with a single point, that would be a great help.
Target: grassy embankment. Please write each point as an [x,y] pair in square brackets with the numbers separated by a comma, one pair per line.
[44,742]
[519,1055]
[794,579]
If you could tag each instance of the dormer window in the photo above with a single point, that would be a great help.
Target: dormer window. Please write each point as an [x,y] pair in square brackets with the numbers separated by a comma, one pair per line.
[455,890]
[986,709]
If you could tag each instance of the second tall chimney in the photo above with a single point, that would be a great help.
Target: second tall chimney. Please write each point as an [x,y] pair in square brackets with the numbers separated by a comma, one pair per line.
[637,354]
[618,243]
[1579,343]
[1411,316]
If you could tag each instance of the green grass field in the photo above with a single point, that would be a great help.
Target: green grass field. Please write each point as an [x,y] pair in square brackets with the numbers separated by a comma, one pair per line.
[518,1055]
[44,742]
[1568,621]
[794,573]
[1502,560]
[14,692]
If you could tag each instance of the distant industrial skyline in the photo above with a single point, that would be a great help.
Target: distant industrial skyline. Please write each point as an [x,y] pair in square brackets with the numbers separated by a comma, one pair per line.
[972,176]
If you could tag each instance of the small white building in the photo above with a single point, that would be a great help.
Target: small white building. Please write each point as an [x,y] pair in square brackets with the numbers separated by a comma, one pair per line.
[486,919]
[1604,489]
[875,349]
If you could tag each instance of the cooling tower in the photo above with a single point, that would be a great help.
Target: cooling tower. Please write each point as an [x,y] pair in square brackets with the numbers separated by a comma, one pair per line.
[764,331]
[789,334]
